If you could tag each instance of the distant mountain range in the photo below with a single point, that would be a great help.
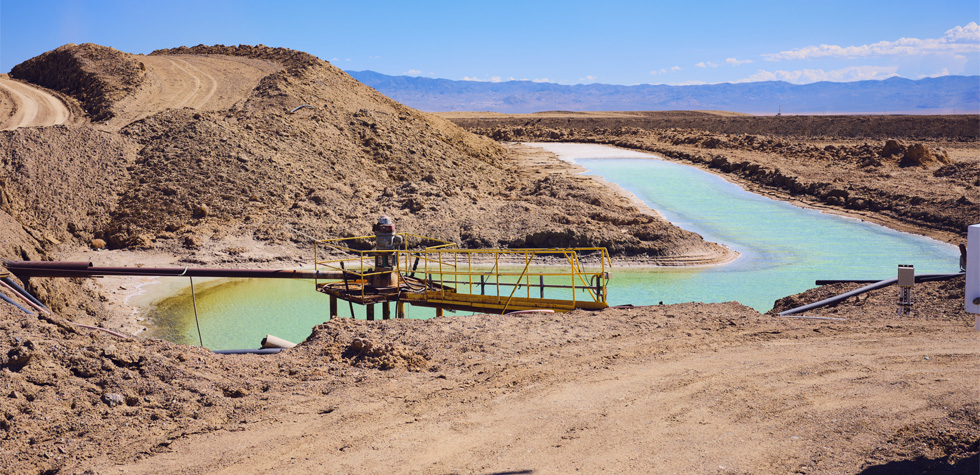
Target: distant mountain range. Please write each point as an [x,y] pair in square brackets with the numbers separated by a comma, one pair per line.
[942,95]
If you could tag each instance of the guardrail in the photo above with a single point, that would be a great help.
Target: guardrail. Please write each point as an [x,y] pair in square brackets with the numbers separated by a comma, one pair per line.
[441,274]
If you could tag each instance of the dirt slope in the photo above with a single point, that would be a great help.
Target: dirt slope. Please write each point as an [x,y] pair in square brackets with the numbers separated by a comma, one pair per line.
[691,388]
[26,105]
[223,150]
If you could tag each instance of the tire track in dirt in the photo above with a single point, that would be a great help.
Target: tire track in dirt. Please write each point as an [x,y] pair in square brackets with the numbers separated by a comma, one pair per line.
[186,73]
[198,74]
[199,82]
[24,105]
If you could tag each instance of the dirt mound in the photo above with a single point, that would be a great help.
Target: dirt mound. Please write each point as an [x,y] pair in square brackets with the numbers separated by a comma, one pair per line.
[62,182]
[944,300]
[97,76]
[293,61]
[919,155]
[300,145]
[955,128]
[345,341]
[949,444]
[330,168]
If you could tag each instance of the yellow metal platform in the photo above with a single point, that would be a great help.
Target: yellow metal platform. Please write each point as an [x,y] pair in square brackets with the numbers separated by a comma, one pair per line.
[437,274]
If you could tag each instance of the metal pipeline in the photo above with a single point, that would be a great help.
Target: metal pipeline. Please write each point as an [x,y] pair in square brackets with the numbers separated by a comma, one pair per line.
[866,288]
[85,269]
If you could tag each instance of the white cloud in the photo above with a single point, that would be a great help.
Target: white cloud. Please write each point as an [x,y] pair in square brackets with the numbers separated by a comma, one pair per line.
[412,72]
[690,83]
[706,64]
[495,79]
[943,72]
[805,76]
[589,78]
[665,70]
[959,40]
[970,32]
[541,80]
[737,62]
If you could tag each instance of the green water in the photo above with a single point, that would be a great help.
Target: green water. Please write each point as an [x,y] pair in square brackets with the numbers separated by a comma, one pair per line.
[238,313]
[783,249]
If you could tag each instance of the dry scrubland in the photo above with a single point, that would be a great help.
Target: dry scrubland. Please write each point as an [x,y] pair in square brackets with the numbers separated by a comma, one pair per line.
[200,156]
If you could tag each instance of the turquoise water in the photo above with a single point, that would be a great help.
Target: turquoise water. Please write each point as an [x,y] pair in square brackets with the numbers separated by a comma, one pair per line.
[783,248]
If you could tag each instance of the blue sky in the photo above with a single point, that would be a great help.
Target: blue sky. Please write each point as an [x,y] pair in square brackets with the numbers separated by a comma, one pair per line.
[567,42]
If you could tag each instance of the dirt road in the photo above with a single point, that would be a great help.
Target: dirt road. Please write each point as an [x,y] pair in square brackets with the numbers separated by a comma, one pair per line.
[26,105]
[688,388]
[197,82]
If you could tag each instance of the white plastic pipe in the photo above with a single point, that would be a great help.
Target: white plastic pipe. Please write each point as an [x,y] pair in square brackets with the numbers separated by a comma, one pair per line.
[275,342]
[971,299]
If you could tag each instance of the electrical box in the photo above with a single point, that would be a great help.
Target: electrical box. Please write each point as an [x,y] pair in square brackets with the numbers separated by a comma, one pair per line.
[906,275]
[972,297]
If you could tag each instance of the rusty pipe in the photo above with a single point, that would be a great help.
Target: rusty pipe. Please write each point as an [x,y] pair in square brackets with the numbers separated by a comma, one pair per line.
[76,269]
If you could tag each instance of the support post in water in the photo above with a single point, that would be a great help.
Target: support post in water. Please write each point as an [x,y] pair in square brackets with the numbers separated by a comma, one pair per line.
[370,311]
[385,311]
[196,321]
[333,307]
[906,279]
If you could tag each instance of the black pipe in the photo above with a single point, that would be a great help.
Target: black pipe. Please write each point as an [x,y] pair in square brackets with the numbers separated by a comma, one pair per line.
[20,290]
[260,351]
[15,304]
[867,288]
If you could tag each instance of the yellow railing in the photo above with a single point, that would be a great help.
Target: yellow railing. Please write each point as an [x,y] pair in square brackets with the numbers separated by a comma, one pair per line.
[507,274]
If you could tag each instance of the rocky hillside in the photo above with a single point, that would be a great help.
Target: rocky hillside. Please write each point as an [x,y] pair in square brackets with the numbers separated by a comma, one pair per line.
[301,147]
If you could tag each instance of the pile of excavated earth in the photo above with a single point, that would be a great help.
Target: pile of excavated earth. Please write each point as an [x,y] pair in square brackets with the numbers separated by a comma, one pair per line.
[237,155]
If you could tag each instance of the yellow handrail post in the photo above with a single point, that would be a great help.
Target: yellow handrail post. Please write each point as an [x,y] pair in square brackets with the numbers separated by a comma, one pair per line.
[515,288]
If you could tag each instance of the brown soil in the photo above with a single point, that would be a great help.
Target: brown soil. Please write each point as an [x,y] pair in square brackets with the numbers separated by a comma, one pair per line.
[691,388]
[682,388]
[929,184]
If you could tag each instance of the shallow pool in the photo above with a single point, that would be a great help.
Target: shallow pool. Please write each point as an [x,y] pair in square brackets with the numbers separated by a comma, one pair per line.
[783,248]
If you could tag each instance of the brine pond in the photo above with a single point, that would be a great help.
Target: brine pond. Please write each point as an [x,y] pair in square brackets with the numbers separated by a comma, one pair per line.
[783,249]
